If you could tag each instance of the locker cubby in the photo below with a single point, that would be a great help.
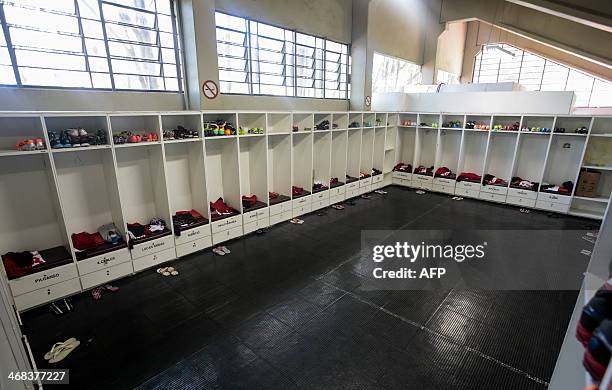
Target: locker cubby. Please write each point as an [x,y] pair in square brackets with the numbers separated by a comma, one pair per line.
[380,119]
[429,120]
[341,119]
[571,123]
[186,179]
[251,120]
[408,120]
[369,119]
[393,119]
[390,138]
[604,187]
[142,186]
[509,120]
[473,152]
[448,118]
[601,126]
[136,124]
[587,208]
[598,152]
[279,123]
[500,155]
[378,154]
[302,163]
[367,148]
[188,121]
[353,155]
[530,159]
[216,118]
[322,159]
[18,128]
[279,167]
[338,156]
[32,219]
[92,124]
[563,160]
[253,168]
[425,154]
[304,122]
[355,120]
[320,118]
[538,121]
[89,192]
[406,141]
[448,151]
[478,119]
[222,173]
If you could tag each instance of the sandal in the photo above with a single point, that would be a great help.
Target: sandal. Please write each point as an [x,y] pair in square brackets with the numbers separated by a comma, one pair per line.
[296,221]
[218,251]
[59,353]
[163,271]
[96,293]
[110,287]
[173,271]
[337,207]
[225,250]
[57,346]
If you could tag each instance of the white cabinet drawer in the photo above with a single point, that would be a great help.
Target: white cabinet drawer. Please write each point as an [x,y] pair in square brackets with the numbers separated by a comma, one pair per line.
[365,189]
[193,246]
[47,294]
[106,260]
[192,234]
[274,219]
[494,190]
[319,204]
[320,196]
[153,246]
[352,186]
[546,197]
[106,275]
[402,175]
[253,216]
[468,185]
[444,188]
[352,193]
[365,182]
[377,179]
[467,193]
[522,193]
[336,199]
[43,279]
[520,201]
[280,208]
[337,191]
[258,224]
[552,206]
[299,202]
[378,185]
[226,224]
[154,259]
[443,181]
[226,235]
[305,209]
[492,197]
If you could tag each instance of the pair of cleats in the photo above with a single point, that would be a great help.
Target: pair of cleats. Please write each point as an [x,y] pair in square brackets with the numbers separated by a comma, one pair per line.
[167,271]
[28,145]
[296,221]
[221,250]
[61,307]
[59,351]
[180,133]
[525,211]
[337,207]
[96,293]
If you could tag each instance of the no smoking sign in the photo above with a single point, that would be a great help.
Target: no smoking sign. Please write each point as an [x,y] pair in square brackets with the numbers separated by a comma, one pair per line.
[210,89]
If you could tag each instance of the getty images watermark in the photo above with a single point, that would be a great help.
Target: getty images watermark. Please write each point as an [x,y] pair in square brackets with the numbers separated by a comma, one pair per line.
[472,259]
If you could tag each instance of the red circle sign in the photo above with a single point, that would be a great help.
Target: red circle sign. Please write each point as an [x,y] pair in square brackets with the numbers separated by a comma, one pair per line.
[210,89]
[368,101]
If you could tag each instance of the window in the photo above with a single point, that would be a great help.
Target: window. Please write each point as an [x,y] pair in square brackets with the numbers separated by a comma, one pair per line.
[502,62]
[100,44]
[394,75]
[260,59]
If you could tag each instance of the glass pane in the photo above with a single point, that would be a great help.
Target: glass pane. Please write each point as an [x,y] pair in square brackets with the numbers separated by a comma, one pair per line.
[271,31]
[49,41]
[265,43]
[274,90]
[56,5]
[581,84]
[231,22]
[230,87]
[168,56]
[133,67]
[555,77]
[7,76]
[98,64]
[129,50]
[164,23]
[229,75]
[133,34]
[172,84]
[602,94]
[101,80]
[5,58]
[92,29]
[232,63]
[142,4]
[128,16]
[96,47]
[170,71]
[274,80]
[231,50]
[54,78]
[139,82]
[50,60]
[230,36]
[89,9]
[41,20]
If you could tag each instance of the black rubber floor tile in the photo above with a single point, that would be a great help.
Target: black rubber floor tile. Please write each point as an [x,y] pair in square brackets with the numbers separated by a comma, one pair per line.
[469,305]
[440,351]
[415,305]
[294,311]
[320,293]
[456,327]
[262,329]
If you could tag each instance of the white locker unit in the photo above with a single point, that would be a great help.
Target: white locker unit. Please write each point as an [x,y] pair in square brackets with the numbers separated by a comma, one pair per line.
[72,190]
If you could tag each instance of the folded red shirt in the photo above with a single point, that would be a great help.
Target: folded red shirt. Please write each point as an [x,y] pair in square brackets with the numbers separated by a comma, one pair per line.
[401,167]
[295,190]
[469,176]
[249,200]
[272,195]
[17,264]
[443,172]
[83,241]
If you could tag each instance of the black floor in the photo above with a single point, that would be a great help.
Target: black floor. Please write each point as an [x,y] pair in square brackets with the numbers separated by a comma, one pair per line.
[284,310]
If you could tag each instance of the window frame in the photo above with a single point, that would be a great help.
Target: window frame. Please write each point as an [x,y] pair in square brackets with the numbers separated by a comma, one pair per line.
[107,56]
[249,61]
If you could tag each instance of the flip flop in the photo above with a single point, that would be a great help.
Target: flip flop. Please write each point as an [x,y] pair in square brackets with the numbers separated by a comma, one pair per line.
[110,287]
[57,346]
[62,353]
[364,196]
[381,192]
[337,207]
[296,221]
[163,271]
[218,251]
[225,250]
[173,271]
[96,293]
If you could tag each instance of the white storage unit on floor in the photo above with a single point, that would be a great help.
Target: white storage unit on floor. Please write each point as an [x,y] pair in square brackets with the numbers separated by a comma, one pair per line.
[279,177]
[378,153]
[223,182]
[337,191]
[253,181]
[321,165]
[302,172]
[73,190]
